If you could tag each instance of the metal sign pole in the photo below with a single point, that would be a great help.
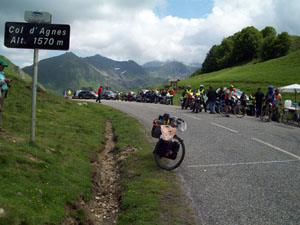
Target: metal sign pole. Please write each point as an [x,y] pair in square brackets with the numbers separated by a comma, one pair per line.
[34,90]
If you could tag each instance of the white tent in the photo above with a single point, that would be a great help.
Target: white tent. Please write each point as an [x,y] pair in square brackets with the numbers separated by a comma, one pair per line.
[293,88]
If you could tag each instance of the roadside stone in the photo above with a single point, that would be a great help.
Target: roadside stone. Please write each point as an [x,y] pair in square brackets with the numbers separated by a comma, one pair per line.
[2,211]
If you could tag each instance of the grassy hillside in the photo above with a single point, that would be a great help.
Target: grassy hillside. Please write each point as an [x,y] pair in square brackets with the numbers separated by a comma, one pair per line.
[38,181]
[277,72]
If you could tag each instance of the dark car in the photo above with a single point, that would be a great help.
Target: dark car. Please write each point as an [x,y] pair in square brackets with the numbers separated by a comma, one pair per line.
[87,95]
[108,95]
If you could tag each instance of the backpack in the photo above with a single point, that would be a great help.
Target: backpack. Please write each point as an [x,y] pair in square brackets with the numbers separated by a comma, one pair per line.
[168,149]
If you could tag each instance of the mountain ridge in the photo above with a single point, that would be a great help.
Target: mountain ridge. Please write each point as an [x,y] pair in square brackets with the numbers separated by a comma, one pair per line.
[69,71]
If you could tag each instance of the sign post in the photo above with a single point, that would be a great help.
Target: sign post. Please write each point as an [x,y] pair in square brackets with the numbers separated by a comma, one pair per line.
[34,90]
[39,34]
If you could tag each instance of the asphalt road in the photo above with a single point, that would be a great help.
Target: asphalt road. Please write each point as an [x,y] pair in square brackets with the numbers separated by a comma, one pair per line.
[236,171]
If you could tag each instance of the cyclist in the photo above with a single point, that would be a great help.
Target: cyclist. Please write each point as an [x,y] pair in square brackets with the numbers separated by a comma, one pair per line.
[243,99]
[229,99]
[277,101]
[269,99]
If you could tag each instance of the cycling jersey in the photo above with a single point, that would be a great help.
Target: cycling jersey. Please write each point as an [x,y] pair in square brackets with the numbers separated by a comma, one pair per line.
[270,97]
[277,99]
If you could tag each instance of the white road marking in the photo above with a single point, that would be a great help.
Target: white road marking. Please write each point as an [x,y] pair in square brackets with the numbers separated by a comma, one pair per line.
[276,148]
[240,164]
[197,118]
[223,127]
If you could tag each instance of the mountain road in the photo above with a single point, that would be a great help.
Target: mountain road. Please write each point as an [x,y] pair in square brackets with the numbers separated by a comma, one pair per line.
[236,170]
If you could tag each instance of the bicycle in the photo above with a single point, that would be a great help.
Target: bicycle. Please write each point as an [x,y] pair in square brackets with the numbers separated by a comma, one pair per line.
[290,116]
[169,151]
[270,112]
[236,108]
[239,110]
[265,113]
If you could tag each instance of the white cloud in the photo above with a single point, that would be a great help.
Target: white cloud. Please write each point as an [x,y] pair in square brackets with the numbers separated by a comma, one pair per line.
[130,29]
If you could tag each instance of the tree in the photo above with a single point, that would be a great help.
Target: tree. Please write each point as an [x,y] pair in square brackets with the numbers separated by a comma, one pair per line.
[282,44]
[267,48]
[210,62]
[268,31]
[274,47]
[247,44]
[225,54]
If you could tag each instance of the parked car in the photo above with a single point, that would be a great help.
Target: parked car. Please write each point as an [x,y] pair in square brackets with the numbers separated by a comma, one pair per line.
[87,95]
[108,95]
[76,94]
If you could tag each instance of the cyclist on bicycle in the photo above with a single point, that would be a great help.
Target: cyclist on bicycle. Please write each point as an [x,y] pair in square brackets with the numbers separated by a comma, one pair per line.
[277,98]
[277,102]
[269,99]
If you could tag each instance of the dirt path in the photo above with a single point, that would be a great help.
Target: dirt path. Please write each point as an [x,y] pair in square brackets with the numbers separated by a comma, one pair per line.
[103,207]
[104,204]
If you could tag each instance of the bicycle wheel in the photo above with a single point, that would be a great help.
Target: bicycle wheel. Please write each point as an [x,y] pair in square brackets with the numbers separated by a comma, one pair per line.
[167,163]
[264,116]
[239,111]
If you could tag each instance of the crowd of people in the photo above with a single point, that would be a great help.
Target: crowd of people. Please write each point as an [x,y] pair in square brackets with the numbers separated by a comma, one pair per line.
[255,102]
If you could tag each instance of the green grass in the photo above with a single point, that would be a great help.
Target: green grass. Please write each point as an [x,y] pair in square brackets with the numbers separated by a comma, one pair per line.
[277,72]
[38,180]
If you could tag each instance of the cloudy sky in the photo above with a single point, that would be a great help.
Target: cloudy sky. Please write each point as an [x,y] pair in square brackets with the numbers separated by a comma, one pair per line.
[146,30]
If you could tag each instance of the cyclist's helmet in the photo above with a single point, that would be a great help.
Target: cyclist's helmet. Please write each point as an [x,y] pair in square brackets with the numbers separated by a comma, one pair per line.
[276,90]
[201,86]
[270,88]
[189,86]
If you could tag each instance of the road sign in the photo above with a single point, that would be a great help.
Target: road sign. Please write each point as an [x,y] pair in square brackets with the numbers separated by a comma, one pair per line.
[37,17]
[37,36]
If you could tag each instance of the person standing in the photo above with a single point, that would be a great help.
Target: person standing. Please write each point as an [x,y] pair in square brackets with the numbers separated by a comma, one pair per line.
[252,103]
[172,92]
[221,98]
[99,94]
[4,84]
[259,97]
[211,98]
[202,94]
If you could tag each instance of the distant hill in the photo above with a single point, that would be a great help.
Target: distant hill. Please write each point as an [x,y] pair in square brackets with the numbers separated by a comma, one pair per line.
[171,69]
[69,71]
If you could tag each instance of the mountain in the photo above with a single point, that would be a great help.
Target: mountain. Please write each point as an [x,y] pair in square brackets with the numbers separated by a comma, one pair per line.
[68,71]
[172,69]
[153,64]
